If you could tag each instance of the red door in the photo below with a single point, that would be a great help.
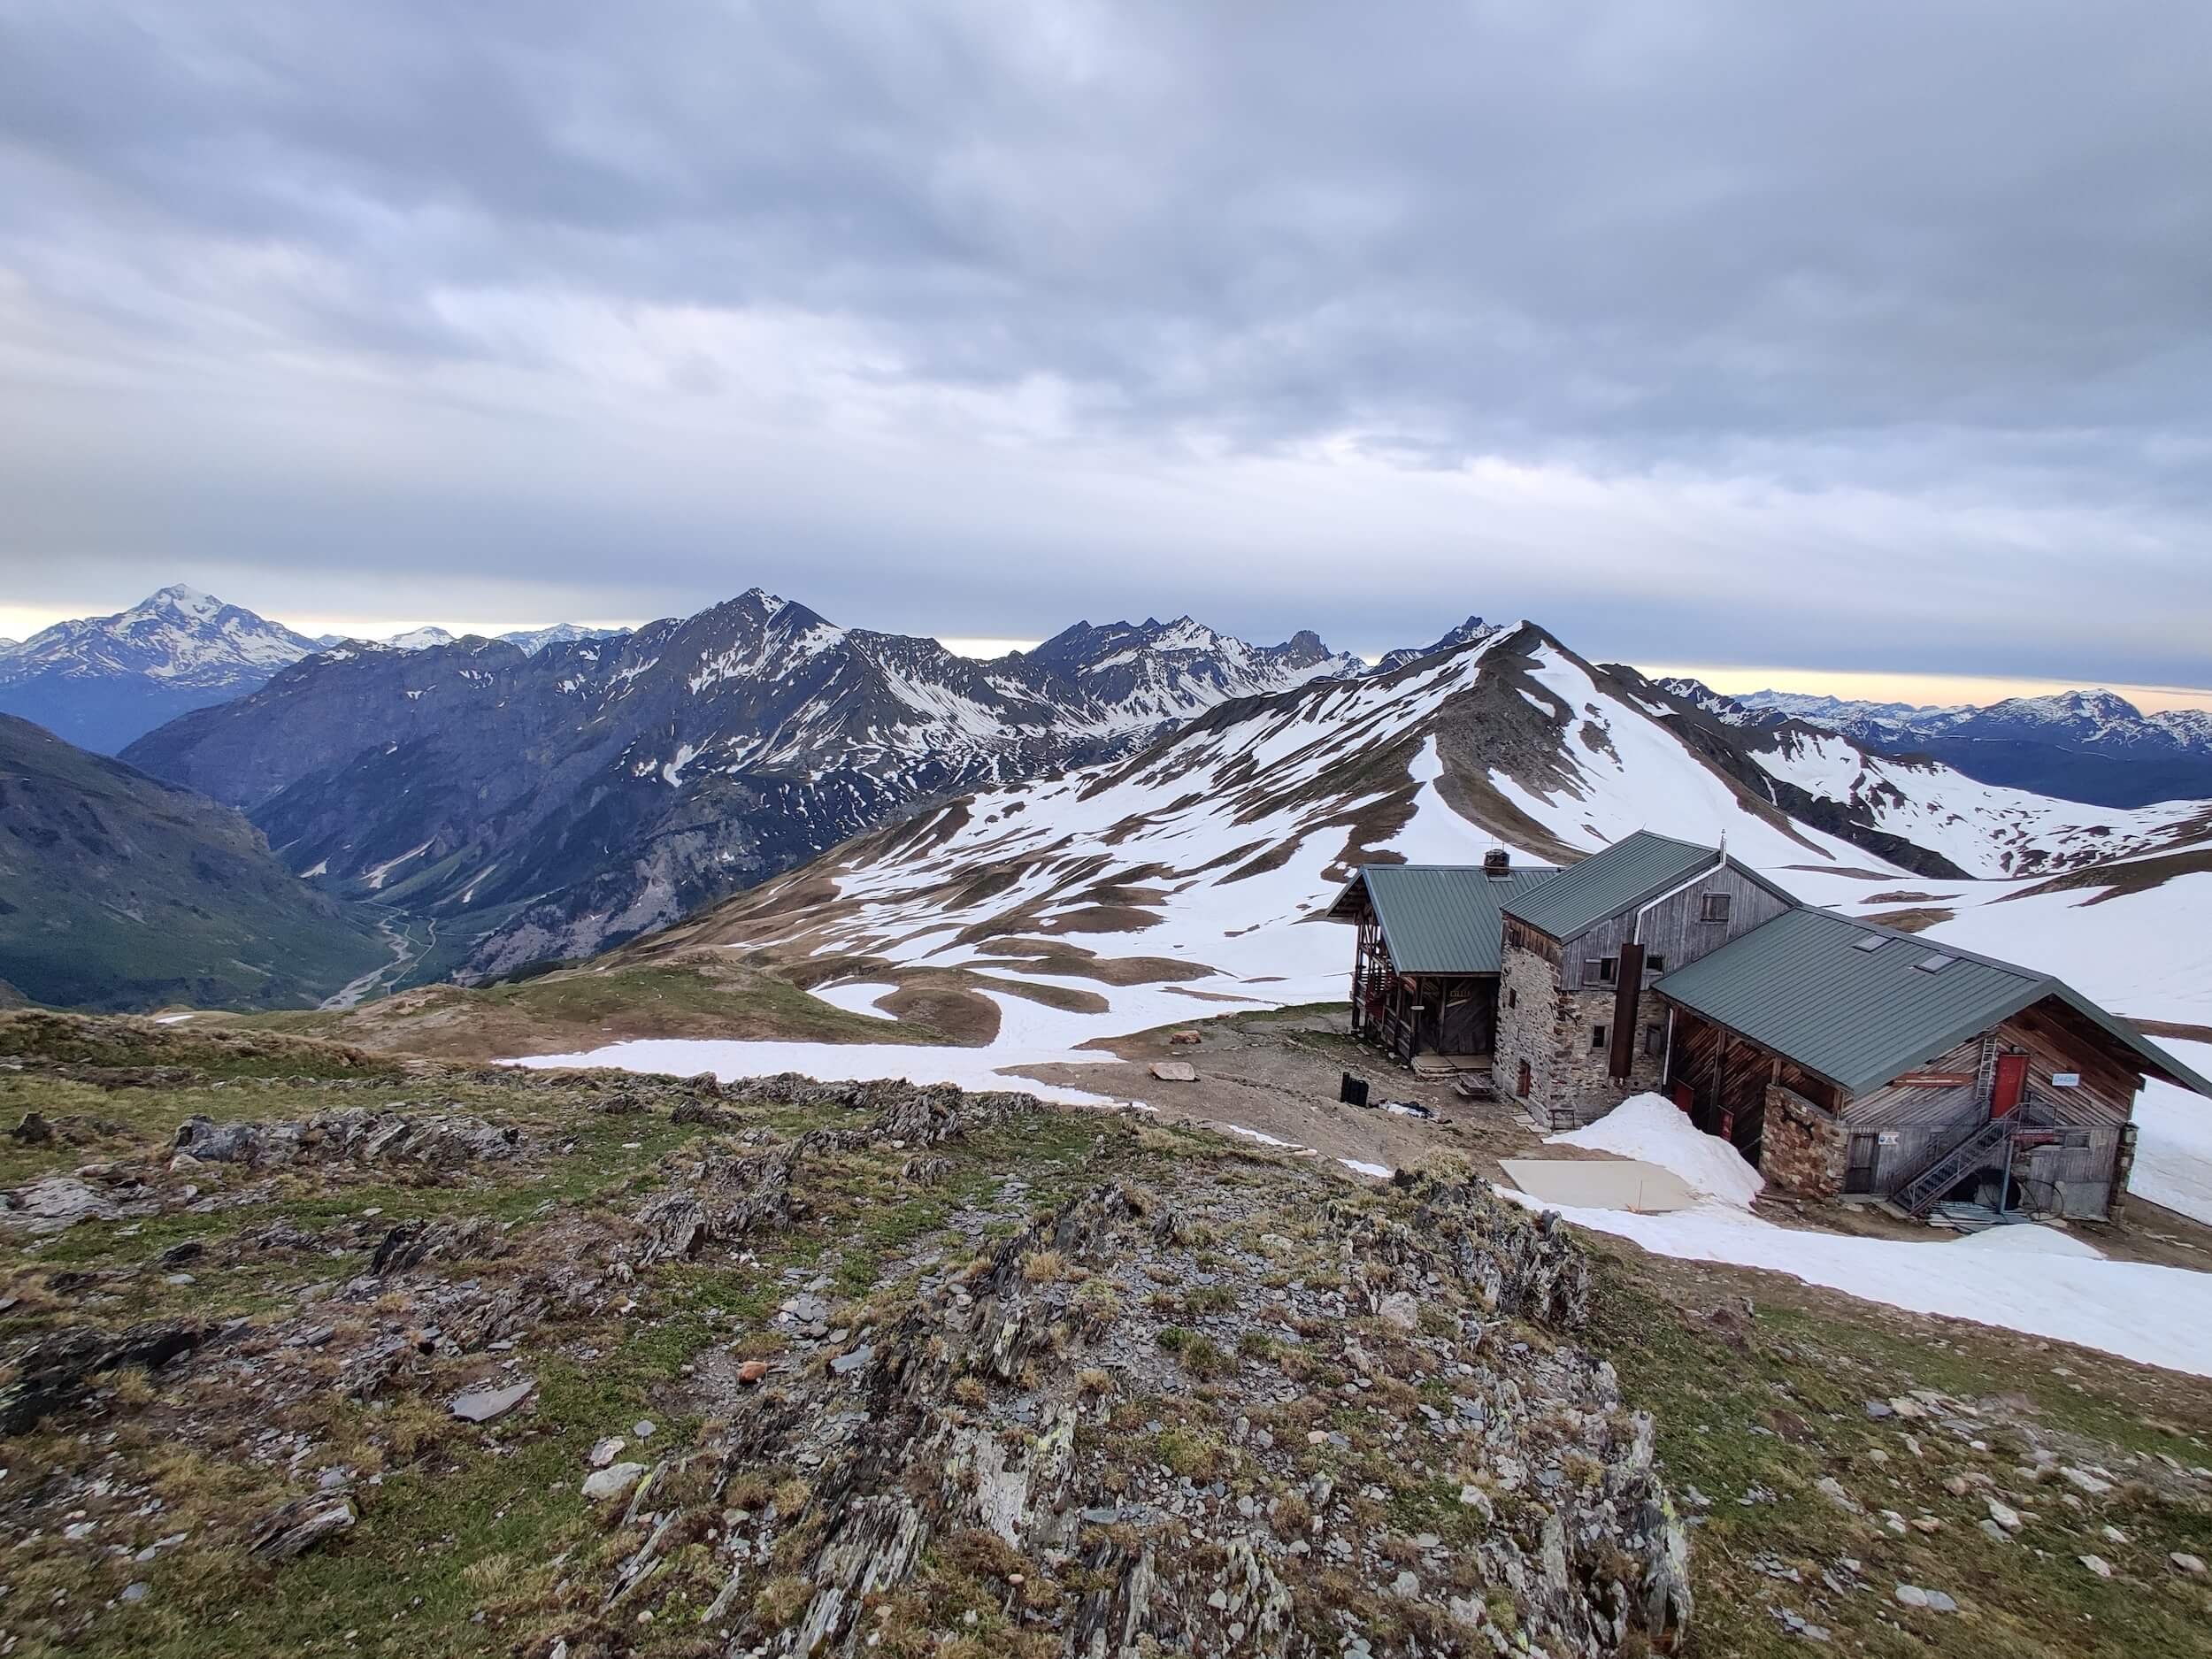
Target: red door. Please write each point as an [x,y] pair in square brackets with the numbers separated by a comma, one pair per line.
[1686,1097]
[2012,1084]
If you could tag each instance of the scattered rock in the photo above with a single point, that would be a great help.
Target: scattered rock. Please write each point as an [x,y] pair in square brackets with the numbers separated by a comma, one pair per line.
[605,1451]
[298,1526]
[1400,1309]
[845,1364]
[481,1405]
[1175,1070]
[1934,1601]
[2183,1561]
[751,1371]
[613,1481]
[2004,1514]
[2097,1564]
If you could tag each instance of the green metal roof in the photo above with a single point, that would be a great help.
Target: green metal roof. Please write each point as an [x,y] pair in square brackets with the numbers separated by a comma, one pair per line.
[1440,919]
[1632,870]
[1802,986]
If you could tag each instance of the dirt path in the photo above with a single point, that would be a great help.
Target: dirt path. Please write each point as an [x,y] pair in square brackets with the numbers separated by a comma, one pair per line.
[1278,1077]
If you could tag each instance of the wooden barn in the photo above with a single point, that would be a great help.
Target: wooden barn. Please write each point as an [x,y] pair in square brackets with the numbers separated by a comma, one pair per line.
[1425,966]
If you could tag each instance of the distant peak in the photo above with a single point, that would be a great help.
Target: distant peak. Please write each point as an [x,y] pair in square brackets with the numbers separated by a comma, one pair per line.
[180,597]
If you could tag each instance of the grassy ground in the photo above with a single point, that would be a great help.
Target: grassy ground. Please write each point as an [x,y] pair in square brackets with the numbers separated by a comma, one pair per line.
[1775,1400]
[474,1539]
[580,1009]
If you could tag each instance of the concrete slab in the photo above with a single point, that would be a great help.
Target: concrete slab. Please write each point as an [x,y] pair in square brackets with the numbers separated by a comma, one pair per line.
[1599,1183]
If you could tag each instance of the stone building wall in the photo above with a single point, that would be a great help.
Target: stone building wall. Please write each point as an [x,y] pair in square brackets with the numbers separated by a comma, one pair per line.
[1549,1028]
[1803,1149]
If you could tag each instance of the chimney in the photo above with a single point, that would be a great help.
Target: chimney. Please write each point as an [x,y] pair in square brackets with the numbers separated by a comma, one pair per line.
[1497,862]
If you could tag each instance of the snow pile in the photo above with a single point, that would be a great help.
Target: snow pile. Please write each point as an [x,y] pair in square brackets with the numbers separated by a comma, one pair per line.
[979,1069]
[2029,1238]
[1653,1129]
[2157,1316]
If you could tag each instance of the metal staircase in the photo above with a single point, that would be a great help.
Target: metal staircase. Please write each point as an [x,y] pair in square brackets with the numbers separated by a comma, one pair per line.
[1917,1195]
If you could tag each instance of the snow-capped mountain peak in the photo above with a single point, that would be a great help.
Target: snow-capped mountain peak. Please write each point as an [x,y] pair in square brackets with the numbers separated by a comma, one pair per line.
[100,680]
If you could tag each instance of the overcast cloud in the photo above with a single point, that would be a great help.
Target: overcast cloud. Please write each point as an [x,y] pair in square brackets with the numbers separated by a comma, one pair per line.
[1872,334]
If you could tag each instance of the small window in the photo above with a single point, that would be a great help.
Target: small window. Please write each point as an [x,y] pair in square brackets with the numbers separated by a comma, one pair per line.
[1872,941]
[1513,997]
[1935,963]
[1597,1036]
[1715,908]
[1522,1090]
[1609,969]
[1655,1039]
[1655,964]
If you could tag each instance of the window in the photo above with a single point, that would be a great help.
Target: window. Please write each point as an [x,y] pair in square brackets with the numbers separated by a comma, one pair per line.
[1715,908]
[1513,997]
[1935,963]
[1522,1090]
[1607,969]
[1872,941]
[1597,1036]
[1654,1040]
[1655,964]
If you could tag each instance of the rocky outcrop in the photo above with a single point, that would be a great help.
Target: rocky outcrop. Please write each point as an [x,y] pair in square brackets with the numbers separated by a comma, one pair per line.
[54,1372]
[356,1136]
[985,1426]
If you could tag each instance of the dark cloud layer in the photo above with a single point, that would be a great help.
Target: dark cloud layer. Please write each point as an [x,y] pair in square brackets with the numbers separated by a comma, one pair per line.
[1872,334]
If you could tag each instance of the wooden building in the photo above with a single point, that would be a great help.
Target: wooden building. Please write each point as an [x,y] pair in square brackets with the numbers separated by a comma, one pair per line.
[1850,1060]
[1847,1060]
[1424,965]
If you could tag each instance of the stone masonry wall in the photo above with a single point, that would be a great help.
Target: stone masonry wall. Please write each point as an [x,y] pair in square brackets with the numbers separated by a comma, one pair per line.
[1804,1148]
[1549,1028]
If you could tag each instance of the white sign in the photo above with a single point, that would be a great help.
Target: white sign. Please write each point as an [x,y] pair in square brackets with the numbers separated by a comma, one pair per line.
[2065,1080]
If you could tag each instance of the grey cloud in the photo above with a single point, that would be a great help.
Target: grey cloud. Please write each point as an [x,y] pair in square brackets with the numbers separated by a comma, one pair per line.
[1949,257]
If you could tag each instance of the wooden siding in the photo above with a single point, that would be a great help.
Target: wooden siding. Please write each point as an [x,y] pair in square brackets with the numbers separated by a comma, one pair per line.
[1671,931]
[1727,1076]
[1901,1106]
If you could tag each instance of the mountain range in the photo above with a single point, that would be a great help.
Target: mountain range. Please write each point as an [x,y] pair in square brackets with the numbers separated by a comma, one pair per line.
[547,805]
[509,802]
[2093,746]
[101,681]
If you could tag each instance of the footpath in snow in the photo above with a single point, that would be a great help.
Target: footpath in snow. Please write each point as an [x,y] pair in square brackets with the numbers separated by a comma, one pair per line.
[2040,1282]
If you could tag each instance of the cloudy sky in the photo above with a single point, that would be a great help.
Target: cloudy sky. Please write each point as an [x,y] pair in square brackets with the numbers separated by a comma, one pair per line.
[1871,335]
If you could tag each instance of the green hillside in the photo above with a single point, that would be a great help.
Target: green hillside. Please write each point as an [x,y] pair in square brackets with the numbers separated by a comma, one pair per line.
[119,892]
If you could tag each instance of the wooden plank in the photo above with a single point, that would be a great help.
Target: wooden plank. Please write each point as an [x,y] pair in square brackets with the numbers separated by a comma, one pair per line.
[1622,1060]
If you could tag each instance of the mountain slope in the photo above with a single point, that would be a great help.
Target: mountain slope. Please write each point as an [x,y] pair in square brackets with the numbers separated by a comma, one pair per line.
[101,681]
[119,891]
[548,805]
[1189,879]
[2091,745]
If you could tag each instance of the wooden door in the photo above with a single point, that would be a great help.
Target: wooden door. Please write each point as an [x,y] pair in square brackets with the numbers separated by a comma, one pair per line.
[2012,1084]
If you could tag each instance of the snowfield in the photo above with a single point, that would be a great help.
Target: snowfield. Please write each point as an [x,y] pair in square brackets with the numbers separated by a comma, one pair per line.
[2157,1316]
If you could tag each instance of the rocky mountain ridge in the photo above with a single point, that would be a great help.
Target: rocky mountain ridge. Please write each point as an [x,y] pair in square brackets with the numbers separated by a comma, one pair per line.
[547,805]
[2093,746]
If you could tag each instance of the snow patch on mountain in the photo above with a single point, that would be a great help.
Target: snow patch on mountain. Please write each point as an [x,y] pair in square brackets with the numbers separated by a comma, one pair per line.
[1984,829]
